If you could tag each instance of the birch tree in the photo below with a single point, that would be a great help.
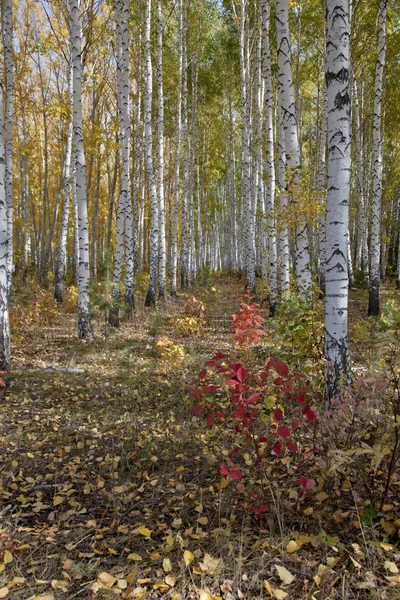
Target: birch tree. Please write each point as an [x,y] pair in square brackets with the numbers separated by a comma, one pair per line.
[292,148]
[339,156]
[270,160]
[83,272]
[160,135]
[148,124]
[373,306]
[4,318]
[7,21]
[175,217]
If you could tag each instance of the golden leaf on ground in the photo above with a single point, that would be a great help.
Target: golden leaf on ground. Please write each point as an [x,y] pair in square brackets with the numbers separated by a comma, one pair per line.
[206,595]
[170,579]
[58,584]
[57,500]
[211,565]
[106,579]
[285,575]
[292,546]
[280,594]
[145,532]
[131,576]
[188,557]
[8,557]
[134,556]
[391,566]
[167,565]
[160,585]
[4,591]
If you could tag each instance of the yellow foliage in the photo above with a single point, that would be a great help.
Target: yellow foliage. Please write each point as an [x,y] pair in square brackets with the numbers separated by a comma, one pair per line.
[171,355]
[70,302]
[189,326]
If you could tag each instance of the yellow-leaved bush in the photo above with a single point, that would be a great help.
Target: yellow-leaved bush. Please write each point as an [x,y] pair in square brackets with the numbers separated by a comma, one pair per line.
[171,355]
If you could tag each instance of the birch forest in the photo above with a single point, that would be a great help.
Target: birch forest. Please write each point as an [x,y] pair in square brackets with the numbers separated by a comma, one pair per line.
[200,299]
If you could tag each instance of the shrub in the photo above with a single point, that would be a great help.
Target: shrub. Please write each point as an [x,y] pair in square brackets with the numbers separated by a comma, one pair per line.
[247,322]
[172,355]
[188,326]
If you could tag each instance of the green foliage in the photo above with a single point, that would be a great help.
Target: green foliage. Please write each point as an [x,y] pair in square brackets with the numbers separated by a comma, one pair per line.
[299,327]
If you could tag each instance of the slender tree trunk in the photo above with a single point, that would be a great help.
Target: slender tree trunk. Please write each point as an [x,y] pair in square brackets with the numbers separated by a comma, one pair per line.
[373,306]
[339,157]
[175,222]
[4,318]
[249,255]
[270,165]
[148,123]
[160,134]
[9,80]
[287,102]
[84,324]
[62,246]
[283,236]
[184,259]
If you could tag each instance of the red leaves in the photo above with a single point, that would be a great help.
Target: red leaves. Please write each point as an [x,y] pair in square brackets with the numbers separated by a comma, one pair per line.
[278,415]
[280,367]
[247,322]
[292,447]
[307,484]
[234,472]
[284,431]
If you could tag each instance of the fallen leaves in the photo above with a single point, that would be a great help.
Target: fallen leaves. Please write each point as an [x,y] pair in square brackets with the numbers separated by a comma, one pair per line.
[286,577]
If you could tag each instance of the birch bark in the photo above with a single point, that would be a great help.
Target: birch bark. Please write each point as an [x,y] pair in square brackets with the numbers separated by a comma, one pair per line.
[9,80]
[160,134]
[148,123]
[373,306]
[339,164]
[4,318]
[287,102]
[83,273]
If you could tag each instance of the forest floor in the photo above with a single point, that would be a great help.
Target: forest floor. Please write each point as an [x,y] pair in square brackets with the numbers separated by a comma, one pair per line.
[111,487]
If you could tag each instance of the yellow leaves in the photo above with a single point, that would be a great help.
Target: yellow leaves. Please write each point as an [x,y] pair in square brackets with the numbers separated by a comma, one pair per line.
[58,584]
[106,579]
[292,547]
[206,595]
[285,575]
[4,591]
[57,500]
[131,576]
[274,592]
[144,531]
[188,557]
[167,565]
[211,565]
[391,566]
[8,557]
[134,556]
[171,355]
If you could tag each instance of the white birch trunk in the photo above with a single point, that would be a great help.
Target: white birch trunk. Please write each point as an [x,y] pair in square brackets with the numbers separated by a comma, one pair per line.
[283,236]
[148,124]
[321,189]
[287,102]
[9,79]
[4,318]
[185,135]
[270,160]
[174,261]
[84,325]
[373,306]
[339,165]
[160,134]
[62,247]
[249,255]
[362,241]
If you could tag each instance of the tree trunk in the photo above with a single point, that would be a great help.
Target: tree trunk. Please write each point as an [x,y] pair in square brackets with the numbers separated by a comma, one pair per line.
[148,123]
[292,148]
[373,306]
[4,318]
[9,79]
[339,157]
[160,134]
[84,324]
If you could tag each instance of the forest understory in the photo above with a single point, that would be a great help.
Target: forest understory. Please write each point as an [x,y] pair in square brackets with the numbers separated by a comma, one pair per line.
[111,486]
